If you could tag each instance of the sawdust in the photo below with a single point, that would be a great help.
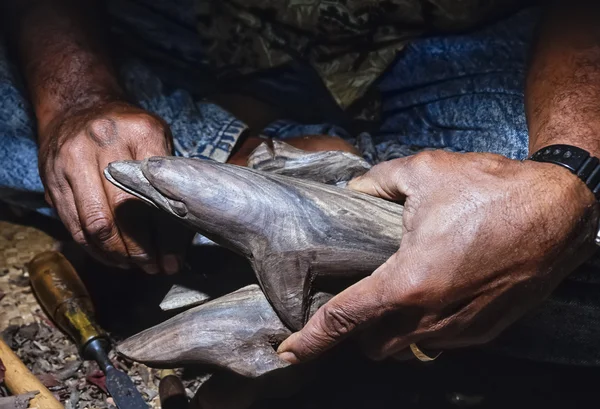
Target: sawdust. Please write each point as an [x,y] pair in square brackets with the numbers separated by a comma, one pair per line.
[43,348]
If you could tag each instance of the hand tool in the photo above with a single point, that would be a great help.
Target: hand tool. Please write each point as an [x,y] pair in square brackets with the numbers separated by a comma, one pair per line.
[171,391]
[19,380]
[66,300]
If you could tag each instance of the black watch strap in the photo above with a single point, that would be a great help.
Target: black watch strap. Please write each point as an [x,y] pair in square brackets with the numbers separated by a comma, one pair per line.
[577,160]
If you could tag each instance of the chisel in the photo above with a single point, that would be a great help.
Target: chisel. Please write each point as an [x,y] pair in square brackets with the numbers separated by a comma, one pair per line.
[66,300]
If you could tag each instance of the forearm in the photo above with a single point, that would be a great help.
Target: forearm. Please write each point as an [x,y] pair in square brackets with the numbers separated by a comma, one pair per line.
[62,55]
[563,83]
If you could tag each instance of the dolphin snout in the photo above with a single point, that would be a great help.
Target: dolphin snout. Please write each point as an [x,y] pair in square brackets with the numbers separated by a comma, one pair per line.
[129,176]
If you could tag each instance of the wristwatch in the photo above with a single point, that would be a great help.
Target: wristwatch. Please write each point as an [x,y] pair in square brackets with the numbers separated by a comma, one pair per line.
[578,161]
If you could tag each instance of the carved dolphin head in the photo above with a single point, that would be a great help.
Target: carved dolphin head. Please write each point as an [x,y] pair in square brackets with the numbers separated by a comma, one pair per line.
[219,201]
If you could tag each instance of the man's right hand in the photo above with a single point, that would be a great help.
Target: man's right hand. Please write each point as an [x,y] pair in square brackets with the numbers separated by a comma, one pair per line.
[112,225]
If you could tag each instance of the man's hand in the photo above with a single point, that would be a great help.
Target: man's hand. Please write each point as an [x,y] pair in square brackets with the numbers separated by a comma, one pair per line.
[486,238]
[111,224]
[83,125]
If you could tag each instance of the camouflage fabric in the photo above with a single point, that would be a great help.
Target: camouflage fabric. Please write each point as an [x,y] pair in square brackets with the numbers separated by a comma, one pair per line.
[348,42]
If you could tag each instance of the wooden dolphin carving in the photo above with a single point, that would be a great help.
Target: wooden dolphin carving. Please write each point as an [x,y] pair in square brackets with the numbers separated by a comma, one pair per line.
[239,331]
[304,239]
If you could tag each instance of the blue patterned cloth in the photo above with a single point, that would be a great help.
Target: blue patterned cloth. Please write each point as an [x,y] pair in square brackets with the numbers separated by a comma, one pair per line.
[460,92]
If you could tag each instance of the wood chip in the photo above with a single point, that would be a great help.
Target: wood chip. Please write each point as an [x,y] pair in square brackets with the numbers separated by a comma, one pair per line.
[44,349]
[180,296]
[17,402]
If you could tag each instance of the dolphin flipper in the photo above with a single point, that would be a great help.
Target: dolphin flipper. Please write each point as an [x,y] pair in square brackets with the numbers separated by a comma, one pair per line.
[329,167]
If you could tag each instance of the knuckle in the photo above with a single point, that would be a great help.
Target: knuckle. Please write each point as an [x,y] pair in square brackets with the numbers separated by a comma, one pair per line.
[337,322]
[56,183]
[424,161]
[102,126]
[72,148]
[100,225]
[79,237]
[146,124]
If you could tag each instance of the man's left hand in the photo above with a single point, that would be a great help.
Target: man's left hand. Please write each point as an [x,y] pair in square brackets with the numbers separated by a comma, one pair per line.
[486,238]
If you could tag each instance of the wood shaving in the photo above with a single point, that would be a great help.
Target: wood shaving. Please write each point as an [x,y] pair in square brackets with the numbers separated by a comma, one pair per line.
[17,402]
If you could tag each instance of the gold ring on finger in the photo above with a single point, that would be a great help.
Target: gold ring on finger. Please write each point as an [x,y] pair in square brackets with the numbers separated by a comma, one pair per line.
[422,356]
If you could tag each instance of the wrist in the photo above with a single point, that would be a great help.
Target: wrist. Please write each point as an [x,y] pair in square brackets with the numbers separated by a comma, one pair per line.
[587,138]
[48,114]
[574,177]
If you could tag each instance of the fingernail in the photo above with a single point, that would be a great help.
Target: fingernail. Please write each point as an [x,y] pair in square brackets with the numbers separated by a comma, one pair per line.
[151,269]
[170,264]
[289,357]
[283,347]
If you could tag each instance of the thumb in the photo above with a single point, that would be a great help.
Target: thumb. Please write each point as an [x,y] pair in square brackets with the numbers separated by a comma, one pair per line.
[388,180]
[339,318]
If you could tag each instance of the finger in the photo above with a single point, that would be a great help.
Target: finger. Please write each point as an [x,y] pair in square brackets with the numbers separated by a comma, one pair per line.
[347,312]
[385,339]
[95,214]
[388,180]
[404,355]
[134,222]
[171,392]
[226,390]
[433,333]
[163,239]
[64,204]
[48,199]
[172,240]
[393,334]
[484,319]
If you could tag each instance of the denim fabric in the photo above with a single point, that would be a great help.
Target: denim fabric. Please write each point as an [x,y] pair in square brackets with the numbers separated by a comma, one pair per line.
[461,92]
[163,68]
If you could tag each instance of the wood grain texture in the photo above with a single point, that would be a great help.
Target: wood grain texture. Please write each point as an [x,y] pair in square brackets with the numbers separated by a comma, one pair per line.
[295,232]
[238,331]
[19,380]
[329,167]
[305,240]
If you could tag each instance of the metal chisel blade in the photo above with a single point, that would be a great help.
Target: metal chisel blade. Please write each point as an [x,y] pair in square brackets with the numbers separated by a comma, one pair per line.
[123,391]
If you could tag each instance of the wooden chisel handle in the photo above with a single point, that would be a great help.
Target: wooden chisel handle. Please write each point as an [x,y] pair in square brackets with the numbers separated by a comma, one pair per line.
[64,297]
[19,379]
